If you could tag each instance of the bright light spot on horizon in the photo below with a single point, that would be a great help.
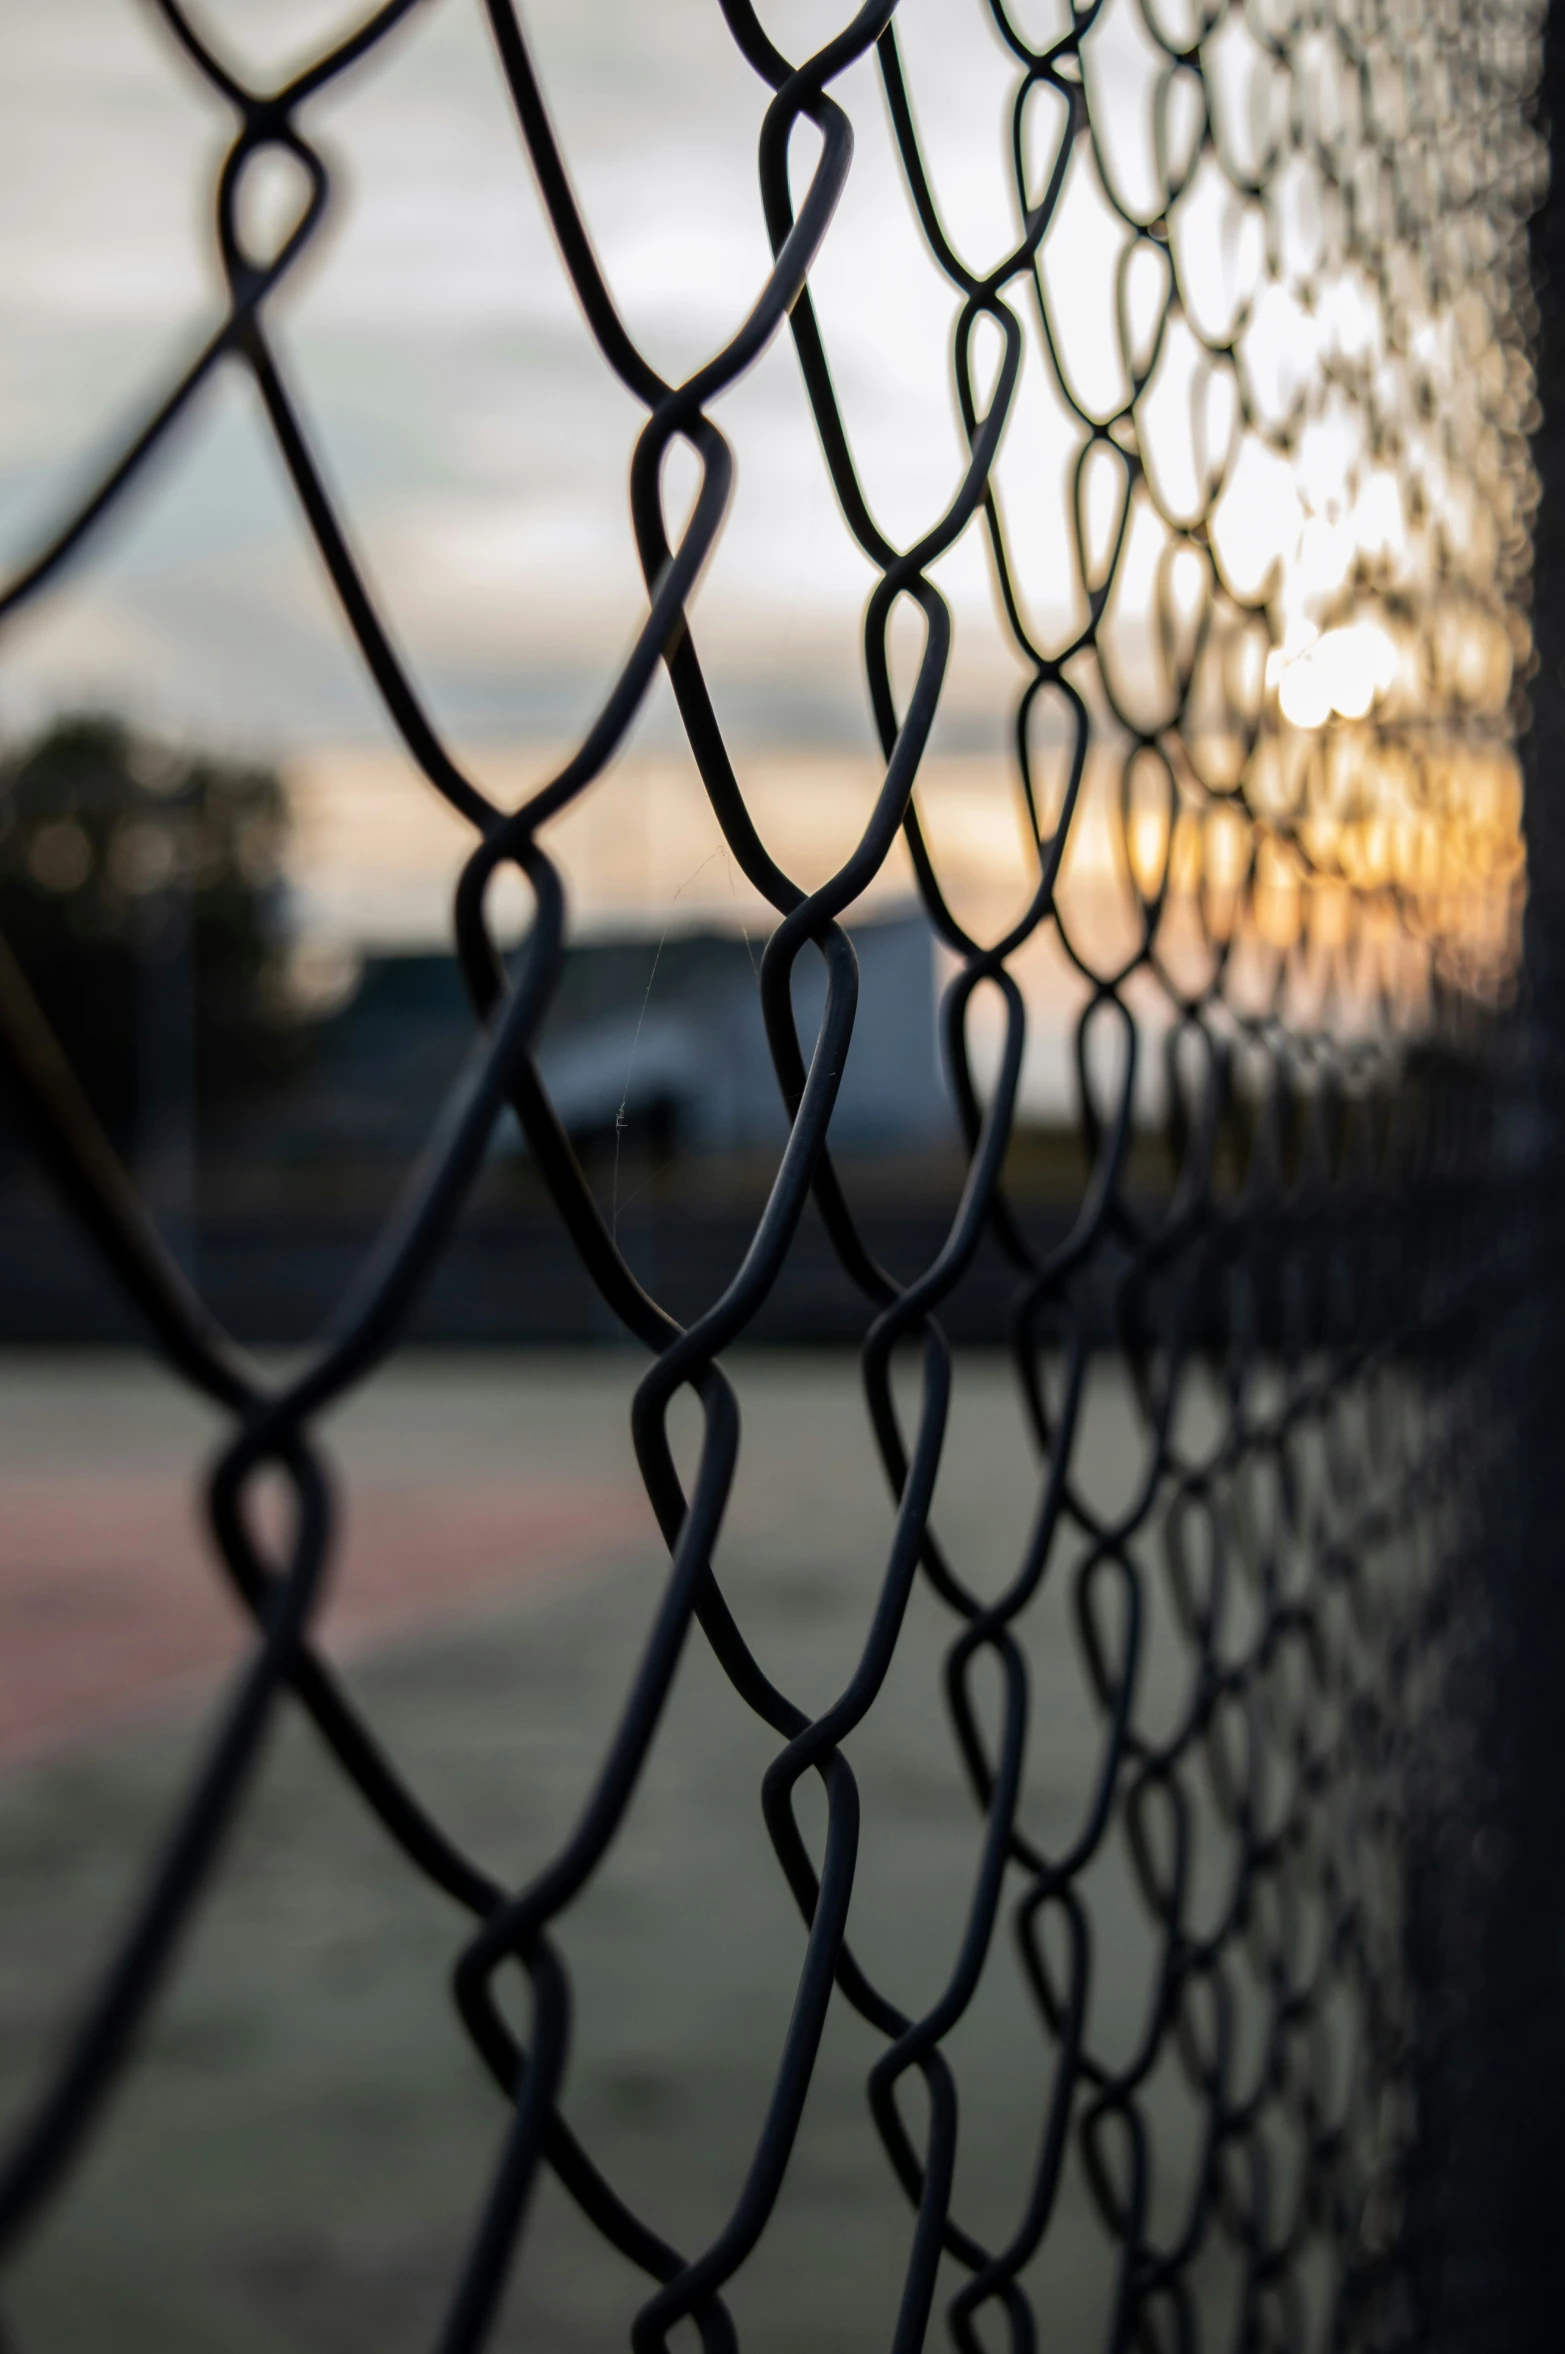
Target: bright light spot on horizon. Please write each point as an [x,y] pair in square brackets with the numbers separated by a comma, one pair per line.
[1343,671]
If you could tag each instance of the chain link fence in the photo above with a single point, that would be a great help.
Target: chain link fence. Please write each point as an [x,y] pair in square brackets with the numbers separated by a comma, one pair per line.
[1272,822]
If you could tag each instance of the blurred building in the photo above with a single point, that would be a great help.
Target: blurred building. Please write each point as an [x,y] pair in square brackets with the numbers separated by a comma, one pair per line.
[664,1041]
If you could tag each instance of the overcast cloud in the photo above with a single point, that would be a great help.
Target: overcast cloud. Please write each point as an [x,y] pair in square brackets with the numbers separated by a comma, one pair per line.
[479,444]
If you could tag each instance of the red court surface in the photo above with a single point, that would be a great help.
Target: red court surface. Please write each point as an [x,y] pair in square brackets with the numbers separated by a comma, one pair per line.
[111,1600]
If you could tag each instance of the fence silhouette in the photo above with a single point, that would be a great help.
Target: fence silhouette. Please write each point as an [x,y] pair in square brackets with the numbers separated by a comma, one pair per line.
[1299,750]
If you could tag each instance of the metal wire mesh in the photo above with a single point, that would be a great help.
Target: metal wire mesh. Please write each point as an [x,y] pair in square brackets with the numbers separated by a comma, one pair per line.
[1298,556]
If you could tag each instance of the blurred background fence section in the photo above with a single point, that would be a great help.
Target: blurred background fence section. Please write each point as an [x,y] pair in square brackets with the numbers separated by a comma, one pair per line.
[1012,1845]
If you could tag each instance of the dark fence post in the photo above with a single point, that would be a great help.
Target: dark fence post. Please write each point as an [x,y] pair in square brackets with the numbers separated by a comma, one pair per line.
[1527,1940]
[1489,2199]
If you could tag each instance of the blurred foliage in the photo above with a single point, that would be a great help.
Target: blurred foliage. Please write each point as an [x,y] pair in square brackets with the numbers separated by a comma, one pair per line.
[142,887]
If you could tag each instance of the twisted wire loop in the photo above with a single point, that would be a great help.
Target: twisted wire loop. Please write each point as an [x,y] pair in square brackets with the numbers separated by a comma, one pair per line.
[1297,750]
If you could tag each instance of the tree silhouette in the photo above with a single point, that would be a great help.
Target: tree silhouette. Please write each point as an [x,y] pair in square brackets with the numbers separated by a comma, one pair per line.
[140,887]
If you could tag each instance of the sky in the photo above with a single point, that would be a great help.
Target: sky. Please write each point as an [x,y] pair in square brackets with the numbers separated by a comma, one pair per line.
[478,442]
[479,446]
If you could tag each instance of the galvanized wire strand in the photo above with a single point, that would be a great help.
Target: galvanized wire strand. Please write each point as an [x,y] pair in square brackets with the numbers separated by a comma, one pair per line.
[1294,1294]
